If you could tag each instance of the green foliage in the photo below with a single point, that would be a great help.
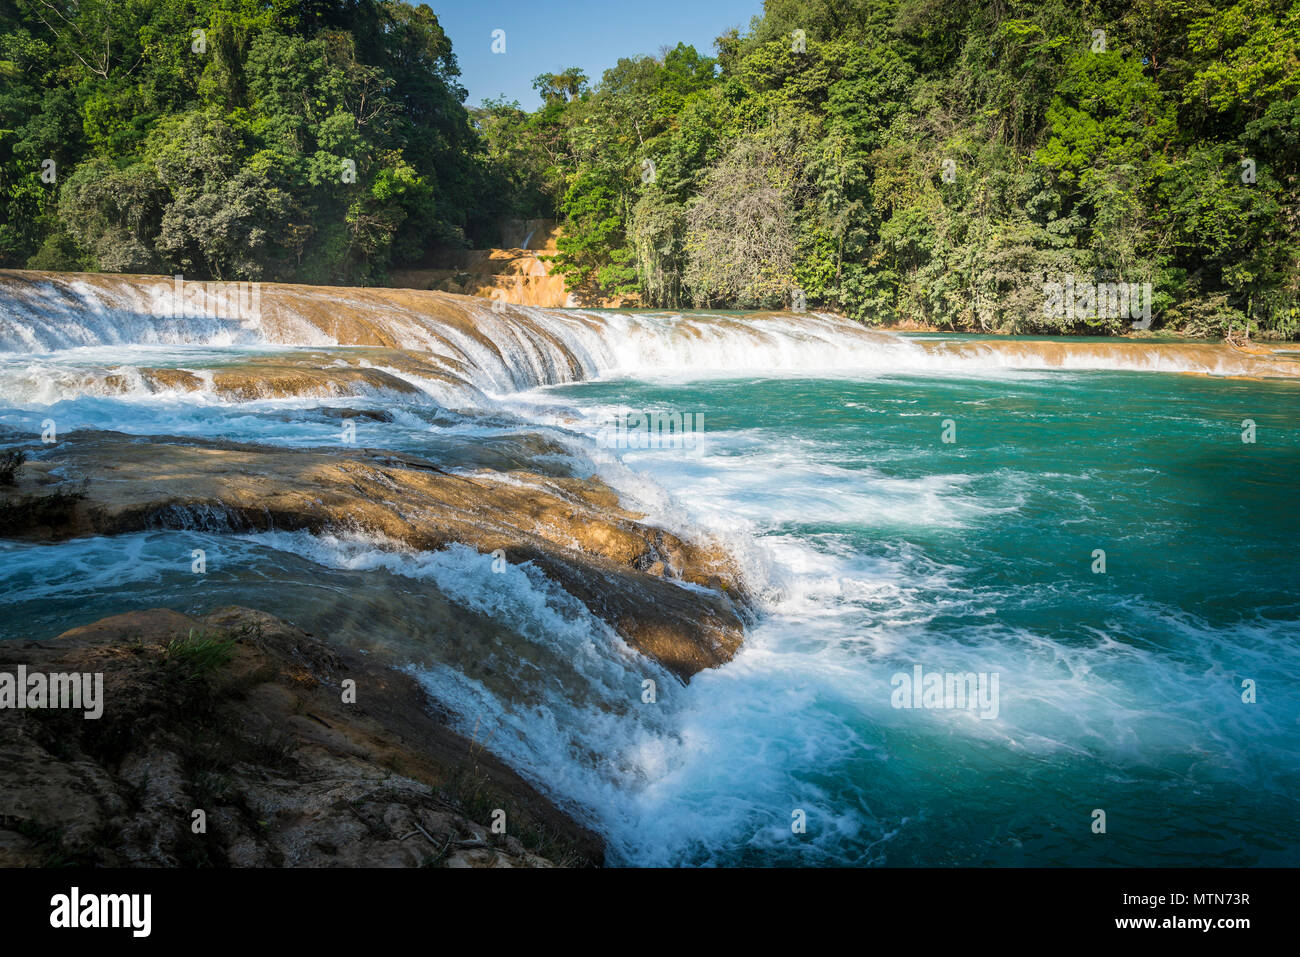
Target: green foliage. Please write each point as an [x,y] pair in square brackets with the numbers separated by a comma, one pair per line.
[739,243]
[324,142]
[198,654]
[894,160]
[1120,163]
[593,254]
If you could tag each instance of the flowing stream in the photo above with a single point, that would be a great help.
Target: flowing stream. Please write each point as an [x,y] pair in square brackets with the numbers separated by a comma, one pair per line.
[897,502]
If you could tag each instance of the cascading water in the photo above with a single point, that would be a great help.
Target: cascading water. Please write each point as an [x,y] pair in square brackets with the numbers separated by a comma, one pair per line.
[877,546]
[496,347]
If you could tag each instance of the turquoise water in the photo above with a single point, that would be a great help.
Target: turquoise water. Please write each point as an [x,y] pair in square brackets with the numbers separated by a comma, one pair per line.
[876,548]
[888,548]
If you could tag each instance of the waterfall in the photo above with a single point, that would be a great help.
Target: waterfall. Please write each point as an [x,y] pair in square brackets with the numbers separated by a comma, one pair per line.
[496,347]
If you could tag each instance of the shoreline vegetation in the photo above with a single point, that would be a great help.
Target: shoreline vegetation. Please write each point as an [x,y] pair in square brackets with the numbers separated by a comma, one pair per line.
[926,161]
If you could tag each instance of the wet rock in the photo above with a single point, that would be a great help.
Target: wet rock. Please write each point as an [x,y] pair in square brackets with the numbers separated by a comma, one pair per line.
[630,574]
[260,740]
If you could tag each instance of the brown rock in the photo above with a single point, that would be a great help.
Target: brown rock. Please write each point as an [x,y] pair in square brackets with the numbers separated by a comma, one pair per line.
[286,773]
[628,573]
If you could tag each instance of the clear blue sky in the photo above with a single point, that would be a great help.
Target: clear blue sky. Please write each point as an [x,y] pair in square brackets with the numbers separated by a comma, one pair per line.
[551,35]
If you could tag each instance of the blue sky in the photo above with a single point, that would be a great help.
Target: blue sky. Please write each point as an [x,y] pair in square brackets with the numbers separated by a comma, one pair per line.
[550,35]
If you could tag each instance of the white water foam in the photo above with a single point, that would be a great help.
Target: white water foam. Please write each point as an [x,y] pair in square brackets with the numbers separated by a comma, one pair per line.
[512,348]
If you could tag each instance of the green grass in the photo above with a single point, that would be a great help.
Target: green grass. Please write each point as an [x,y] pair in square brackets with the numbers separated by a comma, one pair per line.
[200,654]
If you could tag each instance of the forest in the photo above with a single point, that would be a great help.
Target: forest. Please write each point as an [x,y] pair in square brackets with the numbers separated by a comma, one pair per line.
[935,161]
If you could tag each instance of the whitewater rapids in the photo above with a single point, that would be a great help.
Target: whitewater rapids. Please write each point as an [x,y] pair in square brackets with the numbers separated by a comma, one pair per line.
[483,347]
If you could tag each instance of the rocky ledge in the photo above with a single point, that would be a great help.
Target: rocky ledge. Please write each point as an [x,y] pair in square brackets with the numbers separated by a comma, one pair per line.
[230,741]
[682,603]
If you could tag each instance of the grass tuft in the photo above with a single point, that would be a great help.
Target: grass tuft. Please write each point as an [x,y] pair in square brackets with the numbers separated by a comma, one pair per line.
[199,654]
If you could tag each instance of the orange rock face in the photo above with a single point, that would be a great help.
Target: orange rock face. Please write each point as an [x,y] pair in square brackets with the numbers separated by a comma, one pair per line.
[630,574]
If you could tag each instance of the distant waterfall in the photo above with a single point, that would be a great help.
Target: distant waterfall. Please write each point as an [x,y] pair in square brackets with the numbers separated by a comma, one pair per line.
[496,347]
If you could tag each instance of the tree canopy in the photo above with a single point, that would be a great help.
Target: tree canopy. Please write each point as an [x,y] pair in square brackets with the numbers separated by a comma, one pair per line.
[936,160]
[940,160]
[321,142]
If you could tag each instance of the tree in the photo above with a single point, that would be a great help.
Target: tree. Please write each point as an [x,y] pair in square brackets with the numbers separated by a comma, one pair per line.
[739,230]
